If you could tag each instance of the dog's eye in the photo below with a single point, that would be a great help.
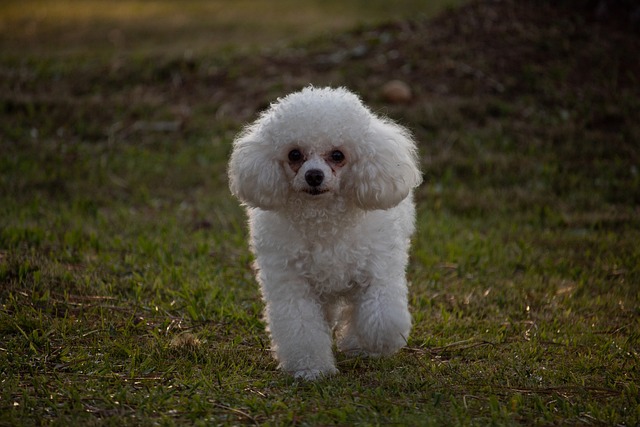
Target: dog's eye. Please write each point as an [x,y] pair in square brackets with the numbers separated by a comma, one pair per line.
[295,155]
[337,156]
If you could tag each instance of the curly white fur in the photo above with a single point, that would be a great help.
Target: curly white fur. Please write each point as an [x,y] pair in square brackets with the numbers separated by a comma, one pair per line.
[328,189]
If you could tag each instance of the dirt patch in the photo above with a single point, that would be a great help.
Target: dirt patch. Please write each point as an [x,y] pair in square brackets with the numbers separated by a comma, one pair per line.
[504,48]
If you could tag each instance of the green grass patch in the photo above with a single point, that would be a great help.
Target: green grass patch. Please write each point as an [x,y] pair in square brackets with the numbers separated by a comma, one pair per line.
[126,290]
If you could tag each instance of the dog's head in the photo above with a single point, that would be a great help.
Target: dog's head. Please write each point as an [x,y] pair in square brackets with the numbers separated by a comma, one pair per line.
[318,144]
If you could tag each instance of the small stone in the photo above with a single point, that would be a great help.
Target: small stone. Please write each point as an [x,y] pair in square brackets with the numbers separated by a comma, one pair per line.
[396,92]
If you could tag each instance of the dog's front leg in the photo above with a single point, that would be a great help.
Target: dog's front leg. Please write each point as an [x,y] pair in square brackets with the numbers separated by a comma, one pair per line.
[377,322]
[300,335]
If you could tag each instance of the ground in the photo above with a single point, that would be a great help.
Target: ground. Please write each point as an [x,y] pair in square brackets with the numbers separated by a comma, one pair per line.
[126,291]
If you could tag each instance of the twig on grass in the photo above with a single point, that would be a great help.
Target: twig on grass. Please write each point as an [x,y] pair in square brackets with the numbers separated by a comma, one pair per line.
[238,412]
[568,389]
[463,345]
[458,345]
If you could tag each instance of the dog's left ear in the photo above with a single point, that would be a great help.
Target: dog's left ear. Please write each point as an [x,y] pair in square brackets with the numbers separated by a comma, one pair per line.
[386,168]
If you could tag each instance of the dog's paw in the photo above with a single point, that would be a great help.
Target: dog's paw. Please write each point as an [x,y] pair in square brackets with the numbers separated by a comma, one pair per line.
[314,374]
[350,346]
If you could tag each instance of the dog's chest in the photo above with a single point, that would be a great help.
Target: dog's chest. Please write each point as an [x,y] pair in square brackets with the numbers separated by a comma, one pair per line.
[336,268]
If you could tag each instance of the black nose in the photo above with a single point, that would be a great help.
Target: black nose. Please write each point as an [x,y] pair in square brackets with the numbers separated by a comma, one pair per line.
[314,177]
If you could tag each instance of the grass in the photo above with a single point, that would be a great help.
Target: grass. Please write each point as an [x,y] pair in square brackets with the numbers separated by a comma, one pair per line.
[126,295]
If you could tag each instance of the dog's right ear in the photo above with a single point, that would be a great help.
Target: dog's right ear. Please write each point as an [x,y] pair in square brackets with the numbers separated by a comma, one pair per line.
[256,176]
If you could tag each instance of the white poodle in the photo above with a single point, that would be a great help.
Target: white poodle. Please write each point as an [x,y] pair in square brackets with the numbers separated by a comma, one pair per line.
[328,189]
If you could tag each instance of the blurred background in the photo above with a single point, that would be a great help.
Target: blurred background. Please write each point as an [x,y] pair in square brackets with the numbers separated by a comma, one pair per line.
[197,26]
